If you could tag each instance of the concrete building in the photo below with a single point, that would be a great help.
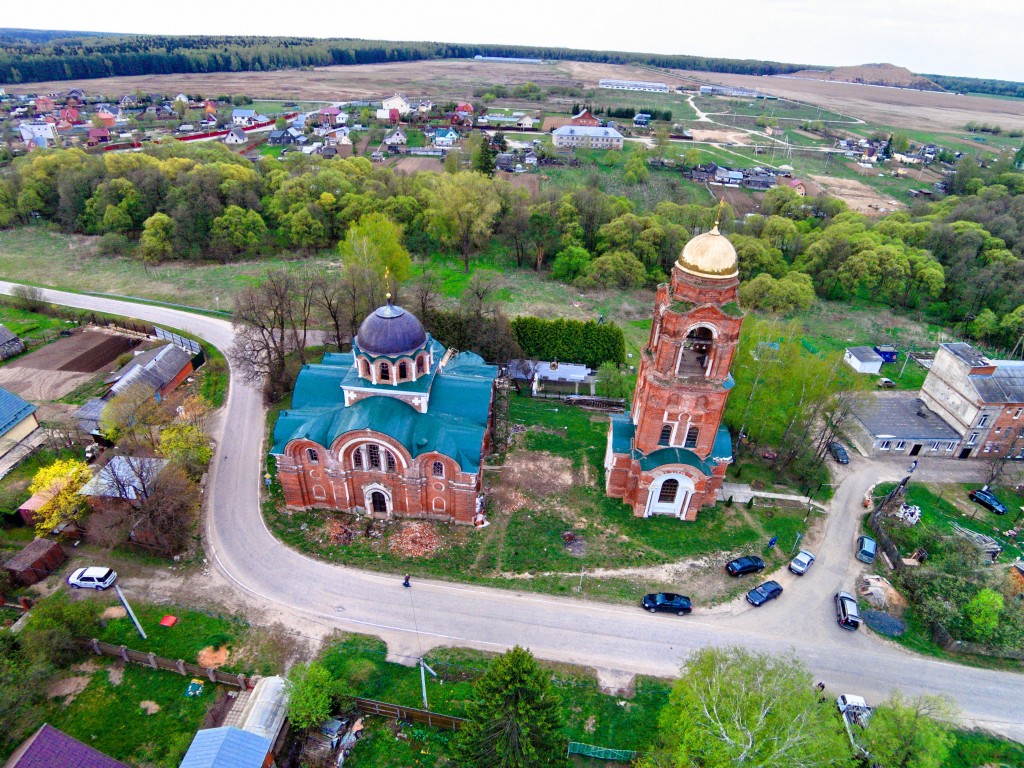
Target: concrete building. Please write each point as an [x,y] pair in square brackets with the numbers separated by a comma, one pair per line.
[588,137]
[669,455]
[863,359]
[982,399]
[887,423]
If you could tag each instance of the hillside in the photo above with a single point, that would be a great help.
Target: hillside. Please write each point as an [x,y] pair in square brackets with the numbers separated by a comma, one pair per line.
[871,74]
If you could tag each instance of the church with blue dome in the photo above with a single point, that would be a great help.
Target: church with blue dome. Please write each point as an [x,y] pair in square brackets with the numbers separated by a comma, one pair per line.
[397,427]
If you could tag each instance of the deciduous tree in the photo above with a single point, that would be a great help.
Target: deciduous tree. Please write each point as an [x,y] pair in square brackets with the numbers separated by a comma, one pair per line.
[461,211]
[910,733]
[63,479]
[732,707]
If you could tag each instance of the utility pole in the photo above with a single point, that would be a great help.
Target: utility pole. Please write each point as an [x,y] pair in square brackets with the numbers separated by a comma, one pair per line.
[423,681]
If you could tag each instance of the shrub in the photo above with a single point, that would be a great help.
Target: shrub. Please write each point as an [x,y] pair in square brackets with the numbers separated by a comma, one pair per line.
[590,343]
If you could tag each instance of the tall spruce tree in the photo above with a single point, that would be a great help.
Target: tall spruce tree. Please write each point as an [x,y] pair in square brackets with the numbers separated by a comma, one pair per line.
[514,721]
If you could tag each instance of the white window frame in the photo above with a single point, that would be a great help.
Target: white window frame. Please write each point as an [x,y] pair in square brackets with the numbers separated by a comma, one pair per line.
[973,440]
[901,445]
[1017,413]
[983,421]
[885,446]
[950,446]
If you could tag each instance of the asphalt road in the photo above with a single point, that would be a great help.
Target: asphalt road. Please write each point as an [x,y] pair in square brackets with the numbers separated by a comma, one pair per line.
[618,641]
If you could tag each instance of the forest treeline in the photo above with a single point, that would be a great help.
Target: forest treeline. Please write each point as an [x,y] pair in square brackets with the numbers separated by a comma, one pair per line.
[959,260]
[24,61]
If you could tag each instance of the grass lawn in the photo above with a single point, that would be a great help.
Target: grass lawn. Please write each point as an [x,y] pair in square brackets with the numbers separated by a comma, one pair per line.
[27,324]
[193,632]
[108,716]
[976,748]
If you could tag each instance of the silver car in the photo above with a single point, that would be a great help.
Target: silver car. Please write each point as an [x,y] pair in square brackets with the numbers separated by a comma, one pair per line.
[801,562]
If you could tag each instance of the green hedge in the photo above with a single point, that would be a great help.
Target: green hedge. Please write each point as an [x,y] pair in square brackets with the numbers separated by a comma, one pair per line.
[570,341]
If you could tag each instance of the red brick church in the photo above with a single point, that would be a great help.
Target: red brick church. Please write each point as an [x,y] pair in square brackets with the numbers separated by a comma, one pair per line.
[668,456]
[396,427]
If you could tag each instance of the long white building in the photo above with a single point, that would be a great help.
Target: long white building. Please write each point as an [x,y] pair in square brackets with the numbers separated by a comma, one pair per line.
[586,136]
[634,85]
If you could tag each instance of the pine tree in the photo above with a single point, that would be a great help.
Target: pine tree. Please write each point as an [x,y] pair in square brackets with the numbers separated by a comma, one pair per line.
[514,721]
[484,159]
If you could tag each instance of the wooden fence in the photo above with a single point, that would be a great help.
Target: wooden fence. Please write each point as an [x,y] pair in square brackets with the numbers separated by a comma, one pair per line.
[410,714]
[183,668]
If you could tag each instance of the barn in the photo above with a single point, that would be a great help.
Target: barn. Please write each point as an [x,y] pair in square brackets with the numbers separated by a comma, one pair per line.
[35,562]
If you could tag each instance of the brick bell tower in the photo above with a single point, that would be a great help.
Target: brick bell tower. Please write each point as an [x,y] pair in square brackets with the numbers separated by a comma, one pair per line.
[668,456]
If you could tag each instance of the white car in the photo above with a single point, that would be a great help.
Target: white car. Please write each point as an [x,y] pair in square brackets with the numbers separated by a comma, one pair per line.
[801,562]
[92,578]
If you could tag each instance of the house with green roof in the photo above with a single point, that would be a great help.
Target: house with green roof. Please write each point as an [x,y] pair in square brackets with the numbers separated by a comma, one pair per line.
[396,427]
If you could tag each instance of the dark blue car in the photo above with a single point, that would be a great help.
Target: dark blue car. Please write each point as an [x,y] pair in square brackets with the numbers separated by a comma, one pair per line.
[667,601]
[744,565]
[761,594]
[988,500]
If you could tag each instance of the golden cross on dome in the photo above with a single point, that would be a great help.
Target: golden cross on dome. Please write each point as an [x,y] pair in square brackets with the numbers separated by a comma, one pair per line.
[718,213]
[387,283]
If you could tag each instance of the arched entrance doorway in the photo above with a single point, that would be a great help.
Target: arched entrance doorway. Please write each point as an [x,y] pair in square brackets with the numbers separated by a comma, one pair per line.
[670,495]
[378,502]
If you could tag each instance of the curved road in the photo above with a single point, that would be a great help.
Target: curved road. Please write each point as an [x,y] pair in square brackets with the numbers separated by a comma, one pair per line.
[616,640]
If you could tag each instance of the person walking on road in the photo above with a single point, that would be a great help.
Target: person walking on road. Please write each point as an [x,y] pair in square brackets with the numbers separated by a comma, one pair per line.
[406,582]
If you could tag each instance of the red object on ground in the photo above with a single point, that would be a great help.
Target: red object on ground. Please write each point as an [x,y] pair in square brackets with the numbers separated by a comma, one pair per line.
[168,621]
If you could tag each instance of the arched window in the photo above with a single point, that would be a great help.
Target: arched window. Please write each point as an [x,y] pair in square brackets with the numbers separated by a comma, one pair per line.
[421,365]
[364,368]
[312,456]
[403,371]
[669,489]
[438,469]
[357,458]
[373,453]
[385,372]
[691,437]
[389,461]
[378,502]
[666,435]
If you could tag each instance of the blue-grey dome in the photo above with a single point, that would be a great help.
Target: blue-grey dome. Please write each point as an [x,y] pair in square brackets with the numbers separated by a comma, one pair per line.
[390,331]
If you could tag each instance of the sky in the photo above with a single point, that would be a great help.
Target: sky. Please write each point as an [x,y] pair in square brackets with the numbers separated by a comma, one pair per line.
[978,38]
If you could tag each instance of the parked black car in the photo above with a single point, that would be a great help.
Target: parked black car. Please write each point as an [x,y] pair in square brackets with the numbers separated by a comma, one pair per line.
[741,566]
[988,500]
[762,593]
[839,453]
[667,601]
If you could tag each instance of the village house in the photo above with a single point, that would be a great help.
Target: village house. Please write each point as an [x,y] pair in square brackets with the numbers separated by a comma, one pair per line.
[49,747]
[17,421]
[641,120]
[863,359]
[122,483]
[445,137]
[243,117]
[397,102]
[395,428]
[10,344]
[797,186]
[97,136]
[160,369]
[584,118]
[396,138]
[572,136]
[43,105]
[525,123]
[38,133]
[235,136]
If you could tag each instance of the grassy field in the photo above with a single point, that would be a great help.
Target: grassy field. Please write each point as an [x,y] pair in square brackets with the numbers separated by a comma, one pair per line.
[778,108]
[45,257]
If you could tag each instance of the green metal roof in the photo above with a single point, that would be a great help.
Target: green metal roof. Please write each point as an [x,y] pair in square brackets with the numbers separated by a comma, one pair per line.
[722,448]
[664,456]
[454,424]
[623,431]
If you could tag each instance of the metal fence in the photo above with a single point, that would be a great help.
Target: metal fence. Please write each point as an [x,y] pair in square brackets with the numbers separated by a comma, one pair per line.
[601,753]
[410,714]
[183,668]
[177,340]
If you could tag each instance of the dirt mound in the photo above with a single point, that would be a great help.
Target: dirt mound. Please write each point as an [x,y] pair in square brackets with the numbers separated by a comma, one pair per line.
[150,707]
[871,74]
[213,657]
[115,673]
[114,612]
[415,540]
[67,688]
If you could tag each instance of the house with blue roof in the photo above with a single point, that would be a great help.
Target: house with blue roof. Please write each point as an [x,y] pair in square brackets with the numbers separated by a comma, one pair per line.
[228,747]
[396,427]
[17,420]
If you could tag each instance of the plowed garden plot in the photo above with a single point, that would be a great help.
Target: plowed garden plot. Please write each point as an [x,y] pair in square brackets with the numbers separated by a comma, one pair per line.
[55,370]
